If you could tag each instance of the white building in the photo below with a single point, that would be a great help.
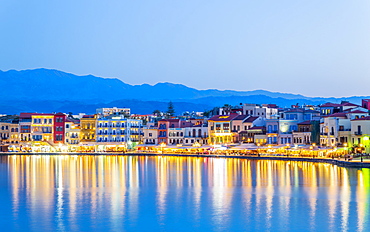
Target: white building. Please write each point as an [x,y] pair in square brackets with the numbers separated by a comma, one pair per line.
[103,112]
[72,130]
[196,134]
[118,130]
[264,111]
[335,129]
[150,134]
[176,136]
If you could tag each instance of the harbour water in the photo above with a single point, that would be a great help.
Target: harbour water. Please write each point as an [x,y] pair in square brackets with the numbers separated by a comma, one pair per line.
[161,193]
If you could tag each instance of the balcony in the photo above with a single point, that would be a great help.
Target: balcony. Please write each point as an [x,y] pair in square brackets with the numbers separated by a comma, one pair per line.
[272,131]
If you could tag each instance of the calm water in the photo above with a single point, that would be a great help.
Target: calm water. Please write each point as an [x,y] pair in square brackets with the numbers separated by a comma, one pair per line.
[120,193]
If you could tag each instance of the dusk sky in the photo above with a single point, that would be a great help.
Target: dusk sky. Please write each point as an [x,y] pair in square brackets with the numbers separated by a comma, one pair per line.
[314,48]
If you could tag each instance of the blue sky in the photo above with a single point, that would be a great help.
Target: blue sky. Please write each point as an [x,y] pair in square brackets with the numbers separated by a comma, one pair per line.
[316,48]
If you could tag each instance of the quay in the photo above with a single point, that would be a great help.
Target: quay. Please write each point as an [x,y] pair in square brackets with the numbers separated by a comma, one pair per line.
[339,162]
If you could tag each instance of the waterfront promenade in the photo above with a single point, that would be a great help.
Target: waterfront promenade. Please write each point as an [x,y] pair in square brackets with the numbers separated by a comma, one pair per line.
[355,163]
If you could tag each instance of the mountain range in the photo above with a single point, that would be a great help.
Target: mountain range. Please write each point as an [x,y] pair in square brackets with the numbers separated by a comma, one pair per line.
[48,90]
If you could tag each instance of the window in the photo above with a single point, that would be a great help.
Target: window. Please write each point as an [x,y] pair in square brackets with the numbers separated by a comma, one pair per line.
[150,134]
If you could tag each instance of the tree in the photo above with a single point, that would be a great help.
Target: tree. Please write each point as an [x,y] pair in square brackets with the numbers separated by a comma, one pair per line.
[227,108]
[171,110]
[206,113]
[157,112]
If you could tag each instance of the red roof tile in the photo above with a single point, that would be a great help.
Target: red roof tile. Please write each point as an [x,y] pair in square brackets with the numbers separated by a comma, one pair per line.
[362,119]
[251,119]
[223,117]
[339,115]
[349,104]
[329,104]
[305,123]
[241,117]
[26,115]
[169,120]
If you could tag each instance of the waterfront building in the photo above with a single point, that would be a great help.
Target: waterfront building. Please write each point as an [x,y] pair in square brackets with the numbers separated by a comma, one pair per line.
[72,134]
[4,132]
[42,126]
[253,130]
[237,126]
[288,123]
[264,111]
[176,135]
[360,133]
[150,134]
[59,121]
[103,112]
[87,123]
[196,134]
[87,133]
[254,134]
[335,129]
[219,129]
[118,132]
[303,134]
[9,130]
[163,127]
[25,121]
[272,129]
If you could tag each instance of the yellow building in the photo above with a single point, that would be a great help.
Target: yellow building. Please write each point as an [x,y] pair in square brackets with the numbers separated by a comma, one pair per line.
[42,133]
[88,123]
[220,130]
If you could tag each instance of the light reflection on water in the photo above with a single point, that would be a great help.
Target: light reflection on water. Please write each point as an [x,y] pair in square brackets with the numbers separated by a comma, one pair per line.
[138,193]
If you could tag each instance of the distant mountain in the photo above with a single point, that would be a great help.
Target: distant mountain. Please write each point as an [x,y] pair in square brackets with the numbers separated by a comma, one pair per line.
[52,90]
[137,106]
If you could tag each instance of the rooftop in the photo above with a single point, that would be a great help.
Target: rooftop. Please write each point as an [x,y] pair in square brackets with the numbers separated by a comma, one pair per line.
[367,118]
[223,117]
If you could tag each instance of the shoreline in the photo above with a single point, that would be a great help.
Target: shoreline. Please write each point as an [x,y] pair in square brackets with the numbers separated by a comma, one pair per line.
[340,163]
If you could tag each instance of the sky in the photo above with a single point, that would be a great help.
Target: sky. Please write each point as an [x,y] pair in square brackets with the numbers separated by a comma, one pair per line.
[314,48]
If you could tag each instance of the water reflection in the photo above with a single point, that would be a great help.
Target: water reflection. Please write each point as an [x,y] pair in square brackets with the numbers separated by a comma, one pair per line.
[175,193]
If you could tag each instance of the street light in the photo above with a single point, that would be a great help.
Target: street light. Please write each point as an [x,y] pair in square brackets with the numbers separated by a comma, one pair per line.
[162,146]
[361,145]
[287,153]
[311,148]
